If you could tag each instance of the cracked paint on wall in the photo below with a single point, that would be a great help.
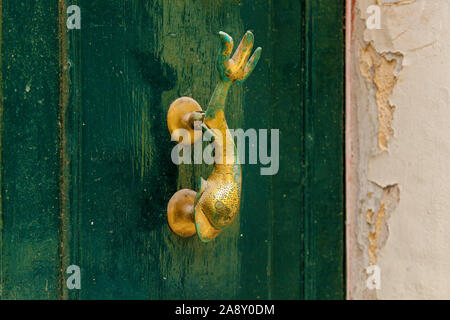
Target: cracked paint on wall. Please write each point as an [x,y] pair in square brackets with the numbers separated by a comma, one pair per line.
[378,220]
[397,163]
[393,2]
[381,70]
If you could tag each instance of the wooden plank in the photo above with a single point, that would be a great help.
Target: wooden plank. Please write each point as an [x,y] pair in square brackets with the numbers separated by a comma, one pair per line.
[137,57]
[324,149]
[70,145]
[288,114]
[273,249]
[194,269]
[30,238]
[305,237]
[256,243]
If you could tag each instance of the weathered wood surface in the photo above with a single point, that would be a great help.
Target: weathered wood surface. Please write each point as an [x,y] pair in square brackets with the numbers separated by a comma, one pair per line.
[85,153]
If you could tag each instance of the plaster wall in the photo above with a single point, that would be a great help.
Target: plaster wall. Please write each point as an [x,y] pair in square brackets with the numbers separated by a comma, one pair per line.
[398,149]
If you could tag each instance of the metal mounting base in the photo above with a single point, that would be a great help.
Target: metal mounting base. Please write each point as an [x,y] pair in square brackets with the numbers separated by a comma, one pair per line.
[180,213]
[181,115]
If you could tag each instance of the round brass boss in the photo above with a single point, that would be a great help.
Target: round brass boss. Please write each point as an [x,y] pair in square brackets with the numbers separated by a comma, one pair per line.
[178,117]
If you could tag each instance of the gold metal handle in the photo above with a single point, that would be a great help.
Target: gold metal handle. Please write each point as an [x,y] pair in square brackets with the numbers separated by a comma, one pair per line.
[216,205]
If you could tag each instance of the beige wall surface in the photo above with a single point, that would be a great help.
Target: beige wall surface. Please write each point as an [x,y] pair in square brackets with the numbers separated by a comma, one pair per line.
[398,159]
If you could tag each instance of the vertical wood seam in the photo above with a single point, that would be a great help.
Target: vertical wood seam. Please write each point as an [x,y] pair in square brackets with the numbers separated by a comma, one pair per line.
[1,151]
[270,278]
[63,155]
[313,247]
[307,94]
[74,121]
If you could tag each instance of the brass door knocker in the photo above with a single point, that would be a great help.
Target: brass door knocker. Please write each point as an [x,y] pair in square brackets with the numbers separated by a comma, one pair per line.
[216,205]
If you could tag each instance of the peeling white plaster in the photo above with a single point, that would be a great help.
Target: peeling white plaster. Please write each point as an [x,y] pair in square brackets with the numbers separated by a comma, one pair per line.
[414,257]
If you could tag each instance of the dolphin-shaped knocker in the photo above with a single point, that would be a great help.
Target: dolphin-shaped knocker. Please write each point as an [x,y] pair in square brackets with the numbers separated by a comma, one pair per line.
[216,205]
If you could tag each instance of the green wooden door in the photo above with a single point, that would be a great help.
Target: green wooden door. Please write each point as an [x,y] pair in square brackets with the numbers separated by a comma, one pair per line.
[86,172]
